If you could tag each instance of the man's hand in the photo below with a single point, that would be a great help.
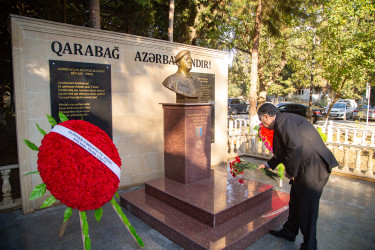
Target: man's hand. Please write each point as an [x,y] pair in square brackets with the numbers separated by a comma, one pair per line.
[262,166]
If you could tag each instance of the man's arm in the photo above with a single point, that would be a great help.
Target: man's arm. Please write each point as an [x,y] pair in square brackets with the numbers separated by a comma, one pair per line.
[272,163]
[288,132]
[265,165]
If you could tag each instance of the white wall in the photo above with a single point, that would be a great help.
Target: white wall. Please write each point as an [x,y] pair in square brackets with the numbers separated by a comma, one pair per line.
[136,94]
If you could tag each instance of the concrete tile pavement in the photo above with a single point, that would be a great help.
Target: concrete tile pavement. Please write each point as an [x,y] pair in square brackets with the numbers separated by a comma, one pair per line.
[346,221]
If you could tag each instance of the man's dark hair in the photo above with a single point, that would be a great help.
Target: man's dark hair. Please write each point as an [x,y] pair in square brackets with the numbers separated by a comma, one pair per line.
[268,108]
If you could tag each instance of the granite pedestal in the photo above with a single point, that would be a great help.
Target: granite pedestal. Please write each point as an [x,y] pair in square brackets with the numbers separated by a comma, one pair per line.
[187,141]
[215,213]
[194,206]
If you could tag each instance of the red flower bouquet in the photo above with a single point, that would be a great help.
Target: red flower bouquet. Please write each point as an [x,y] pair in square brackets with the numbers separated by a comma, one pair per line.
[238,167]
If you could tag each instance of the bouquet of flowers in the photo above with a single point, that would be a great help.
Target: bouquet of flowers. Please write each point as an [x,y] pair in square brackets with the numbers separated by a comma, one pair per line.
[81,167]
[238,166]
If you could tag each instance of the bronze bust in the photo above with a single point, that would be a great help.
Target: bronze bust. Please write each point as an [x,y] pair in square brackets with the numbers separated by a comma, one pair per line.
[187,87]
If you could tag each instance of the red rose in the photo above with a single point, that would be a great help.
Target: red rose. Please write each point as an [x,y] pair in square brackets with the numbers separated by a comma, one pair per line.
[238,159]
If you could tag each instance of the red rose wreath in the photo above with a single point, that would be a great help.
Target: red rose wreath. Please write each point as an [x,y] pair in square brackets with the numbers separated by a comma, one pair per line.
[73,175]
[82,177]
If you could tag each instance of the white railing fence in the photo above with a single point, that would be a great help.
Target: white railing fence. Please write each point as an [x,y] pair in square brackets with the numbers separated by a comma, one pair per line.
[7,201]
[353,148]
[353,136]
[236,126]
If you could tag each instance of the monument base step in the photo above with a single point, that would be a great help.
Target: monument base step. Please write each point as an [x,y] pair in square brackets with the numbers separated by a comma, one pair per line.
[213,200]
[237,233]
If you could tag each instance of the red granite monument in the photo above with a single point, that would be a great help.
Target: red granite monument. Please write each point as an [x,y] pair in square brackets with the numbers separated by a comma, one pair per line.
[193,205]
[187,141]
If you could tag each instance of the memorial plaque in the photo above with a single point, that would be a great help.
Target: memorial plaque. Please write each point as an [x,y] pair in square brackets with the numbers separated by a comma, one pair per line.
[82,91]
[208,82]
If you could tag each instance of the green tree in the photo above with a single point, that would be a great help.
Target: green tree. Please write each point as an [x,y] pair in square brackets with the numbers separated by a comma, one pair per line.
[283,85]
[272,60]
[239,76]
[249,22]
[348,43]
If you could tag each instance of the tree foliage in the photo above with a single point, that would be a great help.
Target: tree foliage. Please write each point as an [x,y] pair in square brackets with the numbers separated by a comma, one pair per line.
[348,43]
[328,43]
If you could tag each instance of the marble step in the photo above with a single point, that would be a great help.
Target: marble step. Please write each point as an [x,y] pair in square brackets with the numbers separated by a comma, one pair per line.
[240,231]
[212,201]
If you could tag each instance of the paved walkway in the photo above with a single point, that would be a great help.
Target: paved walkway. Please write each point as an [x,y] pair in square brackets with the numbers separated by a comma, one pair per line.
[346,221]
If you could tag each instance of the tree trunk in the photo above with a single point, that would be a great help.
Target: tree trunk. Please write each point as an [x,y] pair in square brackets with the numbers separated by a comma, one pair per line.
[193,36]
[262,91]
[64,11]
[94,20]
[337,96]
[171,17]
[253,119]
[193,29]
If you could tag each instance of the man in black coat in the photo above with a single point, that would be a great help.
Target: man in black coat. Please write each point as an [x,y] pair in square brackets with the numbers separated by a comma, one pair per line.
[308,164]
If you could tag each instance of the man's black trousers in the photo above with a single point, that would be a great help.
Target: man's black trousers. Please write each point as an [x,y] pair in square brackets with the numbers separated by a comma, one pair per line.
[303,214]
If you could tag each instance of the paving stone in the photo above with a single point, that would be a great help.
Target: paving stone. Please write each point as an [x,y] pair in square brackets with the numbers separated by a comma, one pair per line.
[346,221]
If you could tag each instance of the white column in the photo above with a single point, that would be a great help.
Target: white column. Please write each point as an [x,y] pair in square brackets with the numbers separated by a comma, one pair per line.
[238,143]
[263,150]
[231,143]
[346,137]
[254,142]
[354,137]
[357,168]
[256,146]
[345,166]
[239,129]
[330,132]
[364,135]
[243,143]
[6,188]
[231,124]
[370,171]
[338,135]
[249,145]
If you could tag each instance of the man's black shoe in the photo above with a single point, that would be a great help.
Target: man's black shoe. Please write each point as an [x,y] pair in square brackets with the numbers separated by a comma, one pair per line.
[283,234]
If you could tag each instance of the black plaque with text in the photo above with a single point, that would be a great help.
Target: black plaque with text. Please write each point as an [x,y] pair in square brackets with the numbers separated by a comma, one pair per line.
[208,82]
[82,90]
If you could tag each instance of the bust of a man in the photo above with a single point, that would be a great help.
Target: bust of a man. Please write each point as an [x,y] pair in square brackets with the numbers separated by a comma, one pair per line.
[187,87]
